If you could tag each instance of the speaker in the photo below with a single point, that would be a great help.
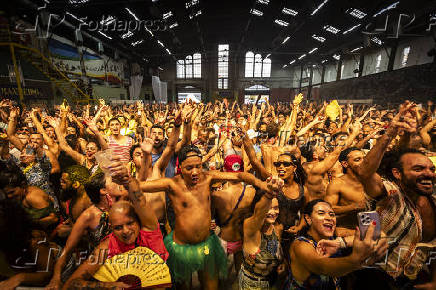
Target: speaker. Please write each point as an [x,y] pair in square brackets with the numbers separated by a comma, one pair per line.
[78,37]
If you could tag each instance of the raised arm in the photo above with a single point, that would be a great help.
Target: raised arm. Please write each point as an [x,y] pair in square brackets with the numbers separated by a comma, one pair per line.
[145,213]
[11,129]
[255,163]
[330,160]
[366,172]
[79,158]
[426,139]
[169,150]
[100,138]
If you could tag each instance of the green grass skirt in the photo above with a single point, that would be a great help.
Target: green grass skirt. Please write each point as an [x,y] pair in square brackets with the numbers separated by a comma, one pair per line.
[187,259]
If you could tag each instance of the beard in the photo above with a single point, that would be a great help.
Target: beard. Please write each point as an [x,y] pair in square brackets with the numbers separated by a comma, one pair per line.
[412,184]
[67,194]
[158,145]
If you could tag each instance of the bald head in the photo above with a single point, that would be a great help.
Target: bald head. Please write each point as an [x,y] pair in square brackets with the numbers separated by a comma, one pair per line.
[122,208]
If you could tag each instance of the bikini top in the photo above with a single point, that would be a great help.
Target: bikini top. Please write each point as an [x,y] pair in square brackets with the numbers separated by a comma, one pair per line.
[226,222]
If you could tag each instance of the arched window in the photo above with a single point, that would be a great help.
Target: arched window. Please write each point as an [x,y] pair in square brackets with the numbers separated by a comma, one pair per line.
[197,65]
[190,67]
[180,69]
[266,68]
[257,66]
[249,64]
[188,63]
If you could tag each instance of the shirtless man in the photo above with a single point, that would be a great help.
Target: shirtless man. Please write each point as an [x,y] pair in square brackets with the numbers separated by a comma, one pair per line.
[346,193]
[191,246]
[157,200]
[93,222]
[228,202]
[317,177]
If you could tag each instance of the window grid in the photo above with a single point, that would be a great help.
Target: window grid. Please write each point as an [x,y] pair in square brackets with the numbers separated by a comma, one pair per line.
[190,67]
[256,67]
[223,66]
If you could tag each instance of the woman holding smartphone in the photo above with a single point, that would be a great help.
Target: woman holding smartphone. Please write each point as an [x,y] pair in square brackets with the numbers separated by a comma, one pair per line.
[316,261]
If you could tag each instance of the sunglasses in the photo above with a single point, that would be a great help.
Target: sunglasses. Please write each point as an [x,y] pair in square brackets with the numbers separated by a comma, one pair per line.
[285,163]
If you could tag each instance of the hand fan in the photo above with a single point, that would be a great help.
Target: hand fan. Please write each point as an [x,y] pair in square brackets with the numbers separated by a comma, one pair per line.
[333,110]
[140,267]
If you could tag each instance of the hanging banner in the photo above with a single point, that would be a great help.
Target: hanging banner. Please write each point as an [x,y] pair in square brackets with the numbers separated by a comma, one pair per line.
[159,90]
[135,87]
[67,59]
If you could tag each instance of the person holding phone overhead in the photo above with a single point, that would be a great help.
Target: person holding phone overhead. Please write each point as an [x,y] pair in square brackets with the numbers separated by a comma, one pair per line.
[316,261]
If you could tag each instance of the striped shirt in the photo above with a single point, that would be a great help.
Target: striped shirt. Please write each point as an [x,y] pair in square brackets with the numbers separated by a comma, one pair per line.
[121,150]
[402,224]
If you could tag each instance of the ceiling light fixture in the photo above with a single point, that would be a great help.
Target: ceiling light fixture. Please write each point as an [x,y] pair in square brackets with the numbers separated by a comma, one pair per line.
[175,24]
[191,3]
[337,56]
[160,43]
[292,61]
[256,12]
[268,55]
[356,13]
[284,66]
[289,11]
[168,51]
[323,61]
[281,22]
[319,38]
[265,2]
[302,56]
[331,29]
[377,40]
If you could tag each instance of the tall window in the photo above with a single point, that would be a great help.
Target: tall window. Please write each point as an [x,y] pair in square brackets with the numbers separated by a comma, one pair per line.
[406,52]
[257,67]
[190,67]
[223,66]
[377,64]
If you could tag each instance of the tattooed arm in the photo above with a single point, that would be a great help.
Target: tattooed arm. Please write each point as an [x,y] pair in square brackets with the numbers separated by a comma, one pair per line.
[82,277]
[143,209]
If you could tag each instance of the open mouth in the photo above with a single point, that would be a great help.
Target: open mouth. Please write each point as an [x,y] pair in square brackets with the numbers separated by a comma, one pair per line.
[427,183]
[281,172]
[271,216]
[195,179]
[328,227]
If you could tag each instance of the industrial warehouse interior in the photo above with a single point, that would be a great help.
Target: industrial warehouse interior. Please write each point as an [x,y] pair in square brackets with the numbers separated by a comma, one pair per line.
[198,144]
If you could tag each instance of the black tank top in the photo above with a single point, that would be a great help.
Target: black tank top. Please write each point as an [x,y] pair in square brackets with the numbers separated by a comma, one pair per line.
[290,208]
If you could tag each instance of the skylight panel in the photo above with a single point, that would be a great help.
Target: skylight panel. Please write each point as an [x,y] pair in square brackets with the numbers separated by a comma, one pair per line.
[319,7]
[351,29]
[381,11]
[281,22]
[356,49]
[377,40]
[313,50]
[265,2]
[286,39]
[256,12]
[137,42]
[127,35]
[331,29]
[289,11]
[319,38]
[175,24]
[356,13]
[167,15]
[191,3]
[133,14]
[105,35]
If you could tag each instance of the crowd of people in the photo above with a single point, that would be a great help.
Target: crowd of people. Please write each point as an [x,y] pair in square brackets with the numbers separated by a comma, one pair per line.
[228,196]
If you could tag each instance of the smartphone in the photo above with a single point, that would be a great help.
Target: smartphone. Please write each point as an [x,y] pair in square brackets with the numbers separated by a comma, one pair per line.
[365,219]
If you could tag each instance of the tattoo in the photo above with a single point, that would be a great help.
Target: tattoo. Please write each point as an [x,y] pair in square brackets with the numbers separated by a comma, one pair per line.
[137,195]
